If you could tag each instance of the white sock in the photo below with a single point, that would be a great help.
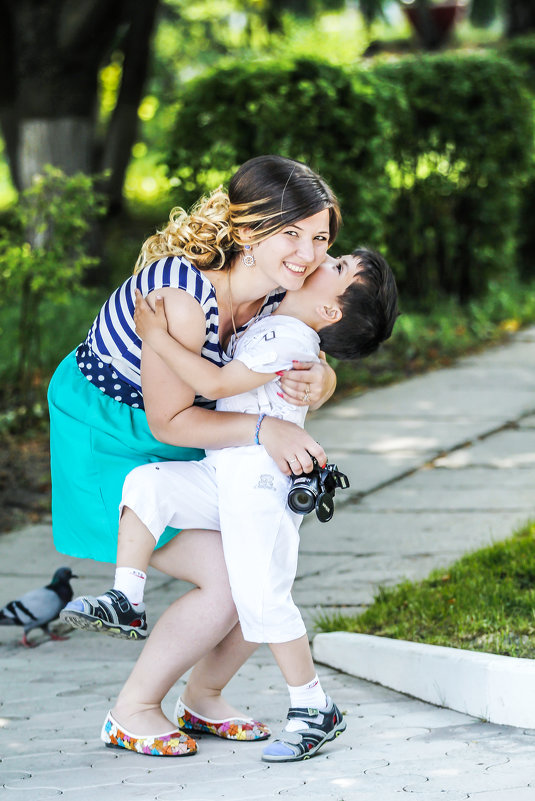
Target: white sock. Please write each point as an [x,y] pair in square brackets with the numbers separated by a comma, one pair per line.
[309,695]
[132,582]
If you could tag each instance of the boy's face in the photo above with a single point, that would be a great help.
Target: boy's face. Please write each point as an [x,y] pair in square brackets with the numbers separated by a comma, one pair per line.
[331,279]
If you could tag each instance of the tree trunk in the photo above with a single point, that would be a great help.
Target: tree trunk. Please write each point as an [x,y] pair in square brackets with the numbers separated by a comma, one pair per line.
[50,56]
[55,50]
[8,118]
[123,127]
[64,142]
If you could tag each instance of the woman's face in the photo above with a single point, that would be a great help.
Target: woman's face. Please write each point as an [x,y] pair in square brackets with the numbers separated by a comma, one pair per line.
[292,254]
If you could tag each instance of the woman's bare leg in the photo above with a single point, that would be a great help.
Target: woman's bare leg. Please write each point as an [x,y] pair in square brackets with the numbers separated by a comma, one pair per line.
[189,629]
[213,672]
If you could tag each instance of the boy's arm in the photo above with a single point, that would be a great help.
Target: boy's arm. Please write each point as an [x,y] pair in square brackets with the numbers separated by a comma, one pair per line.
[201,375]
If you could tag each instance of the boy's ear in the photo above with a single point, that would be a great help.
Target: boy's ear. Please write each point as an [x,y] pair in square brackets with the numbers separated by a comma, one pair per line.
[329,313]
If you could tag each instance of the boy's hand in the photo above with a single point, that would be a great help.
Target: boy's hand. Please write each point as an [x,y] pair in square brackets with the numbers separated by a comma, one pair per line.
[149,324]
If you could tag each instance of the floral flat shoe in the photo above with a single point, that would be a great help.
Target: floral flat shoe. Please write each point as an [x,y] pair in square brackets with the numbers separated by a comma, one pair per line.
[172,743]
[245,729]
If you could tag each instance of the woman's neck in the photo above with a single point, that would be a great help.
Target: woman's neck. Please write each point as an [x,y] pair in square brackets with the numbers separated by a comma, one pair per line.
[245,291]
[239,299]
[248,283]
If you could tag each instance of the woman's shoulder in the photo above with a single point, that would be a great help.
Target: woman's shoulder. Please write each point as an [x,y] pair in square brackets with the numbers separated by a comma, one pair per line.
[176,272]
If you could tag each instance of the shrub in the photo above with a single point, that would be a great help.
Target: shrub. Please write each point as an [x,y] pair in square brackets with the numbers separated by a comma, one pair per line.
[428,155]
[461,146]
[307,110]
[521,50]
[42,257]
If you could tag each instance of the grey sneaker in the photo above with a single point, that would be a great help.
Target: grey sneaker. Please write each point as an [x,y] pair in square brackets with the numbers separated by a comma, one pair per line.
[116,617]
[319,726]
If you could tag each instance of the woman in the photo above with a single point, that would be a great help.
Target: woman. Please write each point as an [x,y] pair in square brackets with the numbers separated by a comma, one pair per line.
[114,406]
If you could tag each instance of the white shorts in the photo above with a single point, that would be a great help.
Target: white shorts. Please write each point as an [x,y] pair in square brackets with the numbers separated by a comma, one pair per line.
[242,493]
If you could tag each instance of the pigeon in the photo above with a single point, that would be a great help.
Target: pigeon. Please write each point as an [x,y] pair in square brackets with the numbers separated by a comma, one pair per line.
[37,608]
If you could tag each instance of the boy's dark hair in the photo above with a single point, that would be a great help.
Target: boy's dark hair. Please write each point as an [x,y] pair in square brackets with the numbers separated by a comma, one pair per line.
[369,310]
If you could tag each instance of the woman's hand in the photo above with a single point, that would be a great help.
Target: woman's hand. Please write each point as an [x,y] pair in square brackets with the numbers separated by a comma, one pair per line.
[290,446]
[148,322]
[308,383]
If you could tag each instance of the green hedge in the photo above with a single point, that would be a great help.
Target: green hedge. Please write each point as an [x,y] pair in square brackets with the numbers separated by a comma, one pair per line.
[521,50]
[427,154]
[461,151]
[311,111]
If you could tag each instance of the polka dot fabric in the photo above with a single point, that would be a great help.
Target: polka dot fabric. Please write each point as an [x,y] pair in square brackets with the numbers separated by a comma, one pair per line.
[106,379]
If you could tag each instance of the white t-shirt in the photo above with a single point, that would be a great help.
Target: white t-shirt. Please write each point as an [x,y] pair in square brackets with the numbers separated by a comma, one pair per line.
[268,345]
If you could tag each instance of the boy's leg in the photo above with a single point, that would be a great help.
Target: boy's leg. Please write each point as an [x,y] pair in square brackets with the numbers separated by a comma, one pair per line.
[136,543]
[177,494]
[313,718]
[295,662]
[157,495]
[260,542]
[135,547]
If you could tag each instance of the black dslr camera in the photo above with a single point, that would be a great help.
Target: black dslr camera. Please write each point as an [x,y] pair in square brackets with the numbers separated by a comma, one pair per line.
[315,490]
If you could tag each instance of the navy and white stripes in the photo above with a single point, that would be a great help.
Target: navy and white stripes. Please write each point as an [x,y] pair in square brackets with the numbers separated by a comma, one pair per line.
[113,339]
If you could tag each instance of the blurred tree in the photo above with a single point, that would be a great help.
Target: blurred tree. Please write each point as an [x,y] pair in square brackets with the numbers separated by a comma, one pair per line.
[50,57]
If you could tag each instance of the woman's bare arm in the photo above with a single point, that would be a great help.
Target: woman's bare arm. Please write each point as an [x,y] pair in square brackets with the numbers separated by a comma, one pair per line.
[173,419]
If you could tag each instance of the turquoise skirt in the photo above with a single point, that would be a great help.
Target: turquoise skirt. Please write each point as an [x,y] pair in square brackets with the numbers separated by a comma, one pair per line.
[94,442]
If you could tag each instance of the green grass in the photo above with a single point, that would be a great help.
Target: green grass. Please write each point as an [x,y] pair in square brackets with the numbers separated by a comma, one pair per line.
[483,602]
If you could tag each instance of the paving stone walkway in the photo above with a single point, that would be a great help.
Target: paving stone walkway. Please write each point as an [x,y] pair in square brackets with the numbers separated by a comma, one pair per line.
[439,465]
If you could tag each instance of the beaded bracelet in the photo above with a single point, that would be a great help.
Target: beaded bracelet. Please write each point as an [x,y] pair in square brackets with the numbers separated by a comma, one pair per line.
[257,429]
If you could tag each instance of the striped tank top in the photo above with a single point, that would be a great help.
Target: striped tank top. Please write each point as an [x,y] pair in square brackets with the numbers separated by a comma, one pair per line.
[111,355]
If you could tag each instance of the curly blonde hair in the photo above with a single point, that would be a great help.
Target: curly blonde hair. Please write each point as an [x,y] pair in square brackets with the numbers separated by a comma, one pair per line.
[203,236]
[266,194]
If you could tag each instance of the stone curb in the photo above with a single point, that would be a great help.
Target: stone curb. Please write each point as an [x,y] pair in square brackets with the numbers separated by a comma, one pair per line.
[498,689]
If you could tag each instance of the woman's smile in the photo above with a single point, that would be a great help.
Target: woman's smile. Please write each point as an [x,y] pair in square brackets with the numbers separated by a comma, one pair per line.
[295,268]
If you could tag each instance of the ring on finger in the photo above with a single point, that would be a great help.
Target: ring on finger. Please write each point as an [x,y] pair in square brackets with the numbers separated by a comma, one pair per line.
[306,396]
[295,459]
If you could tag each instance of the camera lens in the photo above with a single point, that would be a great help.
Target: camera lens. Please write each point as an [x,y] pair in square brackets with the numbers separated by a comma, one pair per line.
[301,500]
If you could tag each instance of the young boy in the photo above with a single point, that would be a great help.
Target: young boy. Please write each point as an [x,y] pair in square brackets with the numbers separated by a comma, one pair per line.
[347,307]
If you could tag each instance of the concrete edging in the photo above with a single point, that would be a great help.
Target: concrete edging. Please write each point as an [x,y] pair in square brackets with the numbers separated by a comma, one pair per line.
[498,689]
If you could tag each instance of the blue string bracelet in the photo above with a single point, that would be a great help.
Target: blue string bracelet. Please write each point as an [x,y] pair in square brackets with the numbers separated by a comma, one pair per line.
[257,429]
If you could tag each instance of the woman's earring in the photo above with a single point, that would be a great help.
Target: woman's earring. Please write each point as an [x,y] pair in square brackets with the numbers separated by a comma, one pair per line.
[247,257]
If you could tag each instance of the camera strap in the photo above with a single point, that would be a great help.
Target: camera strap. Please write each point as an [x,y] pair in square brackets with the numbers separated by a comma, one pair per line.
[341,481]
